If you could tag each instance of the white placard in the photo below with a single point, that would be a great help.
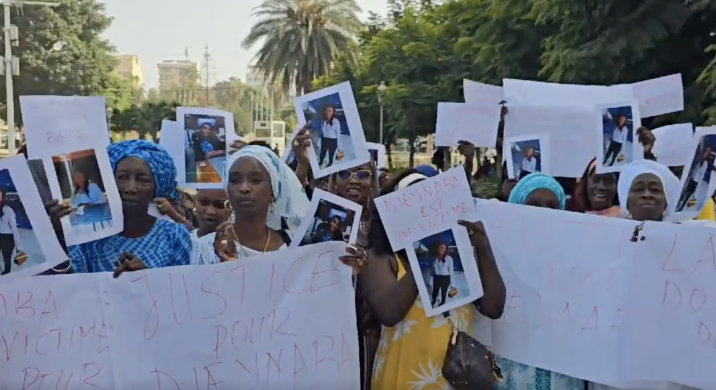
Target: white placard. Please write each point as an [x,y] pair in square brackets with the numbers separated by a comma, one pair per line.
[572,138]
[674,144]
[336,129]
[96,211]
[480,93]
[377,153]
[425,208]
[173,140]
[566,303]
[671,308]
[205,137]
[61,124]
[615,127]
[331,218]
[445,270]
[527,154]
[659,96]
[554,94]
[475,123]
[698,181]
[36,248]
[280,321]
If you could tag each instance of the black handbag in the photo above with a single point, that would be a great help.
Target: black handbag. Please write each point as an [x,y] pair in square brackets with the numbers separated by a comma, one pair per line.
[468,364]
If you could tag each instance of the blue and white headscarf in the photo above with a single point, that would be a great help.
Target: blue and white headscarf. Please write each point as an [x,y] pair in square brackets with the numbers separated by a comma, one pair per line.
[159,161]
[537,181]
[290,198]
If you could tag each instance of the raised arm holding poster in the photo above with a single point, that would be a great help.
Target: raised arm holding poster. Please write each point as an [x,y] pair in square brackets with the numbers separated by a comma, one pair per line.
[274,322]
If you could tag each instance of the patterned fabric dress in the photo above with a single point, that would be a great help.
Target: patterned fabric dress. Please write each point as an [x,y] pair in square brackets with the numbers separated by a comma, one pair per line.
[410,355]
[167,244]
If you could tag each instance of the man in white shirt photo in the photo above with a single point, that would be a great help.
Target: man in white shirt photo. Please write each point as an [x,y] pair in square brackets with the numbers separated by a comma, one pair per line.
[529,163]
[619,138]
[697,175]
[443,273]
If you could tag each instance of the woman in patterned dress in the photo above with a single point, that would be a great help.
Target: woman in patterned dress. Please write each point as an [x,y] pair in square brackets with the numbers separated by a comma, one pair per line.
[412,346]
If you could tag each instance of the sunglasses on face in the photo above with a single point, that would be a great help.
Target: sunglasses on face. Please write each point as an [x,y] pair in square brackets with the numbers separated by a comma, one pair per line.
[362,175]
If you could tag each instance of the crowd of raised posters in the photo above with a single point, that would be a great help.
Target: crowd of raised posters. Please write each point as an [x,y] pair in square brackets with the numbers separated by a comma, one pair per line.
[586,301]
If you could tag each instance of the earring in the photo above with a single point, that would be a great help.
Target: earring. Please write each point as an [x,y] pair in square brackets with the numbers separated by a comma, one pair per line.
[272,205]
[193,210]
[227,205]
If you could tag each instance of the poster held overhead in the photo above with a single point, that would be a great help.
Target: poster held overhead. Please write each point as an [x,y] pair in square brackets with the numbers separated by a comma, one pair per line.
[28,242]
[377,154]
[616,127]
[526,154]
[337,137]
[480,93]
[172,140]
[659,96]
[205,145]
[475,123]
[698,181]
[675,144]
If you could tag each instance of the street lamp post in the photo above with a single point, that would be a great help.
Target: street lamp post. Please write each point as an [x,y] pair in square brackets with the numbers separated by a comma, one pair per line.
[11,66]
[381,100]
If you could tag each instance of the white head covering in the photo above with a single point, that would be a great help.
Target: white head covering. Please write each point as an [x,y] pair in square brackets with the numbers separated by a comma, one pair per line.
[290,198]
[636,168]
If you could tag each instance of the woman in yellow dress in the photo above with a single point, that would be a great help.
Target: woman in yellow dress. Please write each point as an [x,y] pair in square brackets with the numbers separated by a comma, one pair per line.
[412,346]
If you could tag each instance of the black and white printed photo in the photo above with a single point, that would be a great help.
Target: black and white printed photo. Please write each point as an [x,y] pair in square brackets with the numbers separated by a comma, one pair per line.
[337,137]
[333,219]
[698,181]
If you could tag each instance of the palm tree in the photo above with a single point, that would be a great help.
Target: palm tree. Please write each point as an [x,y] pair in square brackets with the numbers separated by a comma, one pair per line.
[301,38]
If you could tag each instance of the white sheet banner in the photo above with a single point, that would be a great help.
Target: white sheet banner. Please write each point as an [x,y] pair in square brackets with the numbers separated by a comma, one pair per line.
[281,321]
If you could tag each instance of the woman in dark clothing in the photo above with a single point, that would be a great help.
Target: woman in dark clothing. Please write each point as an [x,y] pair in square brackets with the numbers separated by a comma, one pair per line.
[207,144]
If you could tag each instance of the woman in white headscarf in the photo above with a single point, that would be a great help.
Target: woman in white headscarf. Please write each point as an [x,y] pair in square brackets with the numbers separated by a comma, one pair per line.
[647,191]
[265,198]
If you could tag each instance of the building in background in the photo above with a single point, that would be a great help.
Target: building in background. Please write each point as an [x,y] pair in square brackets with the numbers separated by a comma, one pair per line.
[175,74]
[129,68]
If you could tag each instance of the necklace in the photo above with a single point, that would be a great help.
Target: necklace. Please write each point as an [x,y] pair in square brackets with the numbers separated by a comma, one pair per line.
[241,247]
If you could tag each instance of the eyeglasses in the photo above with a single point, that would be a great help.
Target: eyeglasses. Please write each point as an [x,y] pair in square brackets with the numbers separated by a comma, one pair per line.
[362,175]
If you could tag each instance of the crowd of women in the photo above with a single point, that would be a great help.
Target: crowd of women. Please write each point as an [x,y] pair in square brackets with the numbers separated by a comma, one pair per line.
[263,196]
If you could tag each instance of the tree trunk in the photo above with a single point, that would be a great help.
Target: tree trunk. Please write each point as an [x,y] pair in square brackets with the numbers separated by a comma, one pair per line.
[411,141]
[389,155]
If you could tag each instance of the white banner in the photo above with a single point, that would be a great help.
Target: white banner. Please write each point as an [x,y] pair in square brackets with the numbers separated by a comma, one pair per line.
[585,300]
[281,321]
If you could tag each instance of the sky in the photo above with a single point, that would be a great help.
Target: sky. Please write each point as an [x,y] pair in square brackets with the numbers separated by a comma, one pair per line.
[158,30]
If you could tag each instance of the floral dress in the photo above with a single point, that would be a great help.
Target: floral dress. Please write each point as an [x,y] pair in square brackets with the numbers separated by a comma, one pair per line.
[410,355]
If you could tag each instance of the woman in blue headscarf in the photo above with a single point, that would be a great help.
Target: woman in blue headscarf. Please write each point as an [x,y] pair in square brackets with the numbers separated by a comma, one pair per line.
[538,190]
[143,172]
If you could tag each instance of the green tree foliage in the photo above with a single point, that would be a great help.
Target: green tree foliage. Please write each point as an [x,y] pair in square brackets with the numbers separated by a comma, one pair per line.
[82,66]
[423,51]
[301,38]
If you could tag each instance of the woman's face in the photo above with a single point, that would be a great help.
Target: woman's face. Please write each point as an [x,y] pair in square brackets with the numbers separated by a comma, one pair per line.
[647,198]
[442,250]
[543,197]
[335,224]
[529,153]
[205,130]
[210,210]
[356,183]
[621,121]
[601,189]
[329,113]
[135,183]
[78,178]
[383,178]
[249,187]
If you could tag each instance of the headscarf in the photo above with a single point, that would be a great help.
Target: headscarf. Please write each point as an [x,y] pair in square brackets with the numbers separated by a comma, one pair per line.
[160,163]
[668,180]
[536,181]
[290,198]
[426,170]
